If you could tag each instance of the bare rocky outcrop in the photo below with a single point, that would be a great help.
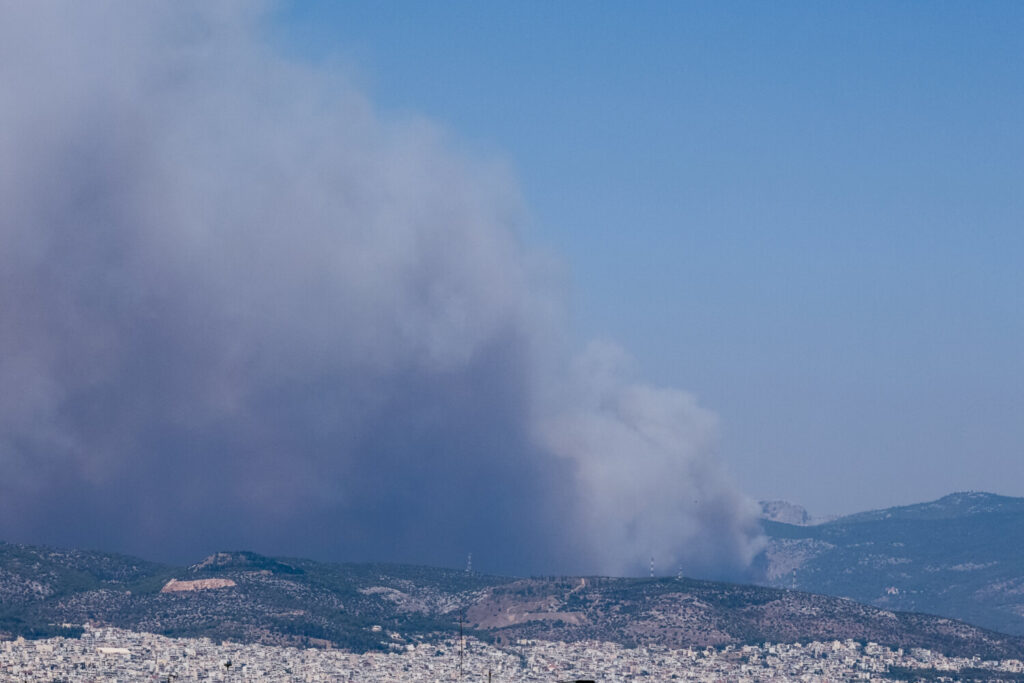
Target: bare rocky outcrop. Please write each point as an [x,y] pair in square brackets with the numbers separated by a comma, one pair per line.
[175,586]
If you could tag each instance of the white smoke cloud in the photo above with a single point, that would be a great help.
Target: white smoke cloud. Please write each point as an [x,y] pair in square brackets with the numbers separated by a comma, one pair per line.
[239,306]
[645,461]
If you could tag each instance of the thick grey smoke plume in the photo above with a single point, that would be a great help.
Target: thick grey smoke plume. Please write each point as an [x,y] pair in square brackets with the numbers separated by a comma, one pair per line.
[238,308]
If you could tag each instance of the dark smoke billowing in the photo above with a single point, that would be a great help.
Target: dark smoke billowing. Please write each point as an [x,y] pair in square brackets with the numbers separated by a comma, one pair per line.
[240,309]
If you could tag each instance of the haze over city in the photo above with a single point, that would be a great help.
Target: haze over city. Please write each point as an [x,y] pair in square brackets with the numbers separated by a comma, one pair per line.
[565,286]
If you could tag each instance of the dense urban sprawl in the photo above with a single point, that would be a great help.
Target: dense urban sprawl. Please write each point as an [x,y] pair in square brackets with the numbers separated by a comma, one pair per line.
[114,655]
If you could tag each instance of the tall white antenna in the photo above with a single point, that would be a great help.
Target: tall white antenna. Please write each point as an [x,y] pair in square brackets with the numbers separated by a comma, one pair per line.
[679,576]
[652,566]
[469,563]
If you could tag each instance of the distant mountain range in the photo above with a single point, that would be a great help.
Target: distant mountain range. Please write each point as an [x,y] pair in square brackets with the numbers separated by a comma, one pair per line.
[247,597]
[961,556]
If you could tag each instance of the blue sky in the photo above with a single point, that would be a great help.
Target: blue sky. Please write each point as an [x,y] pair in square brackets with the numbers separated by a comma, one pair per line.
[807,214]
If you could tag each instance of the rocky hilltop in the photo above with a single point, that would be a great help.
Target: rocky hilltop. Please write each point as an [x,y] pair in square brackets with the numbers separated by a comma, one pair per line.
[784,512]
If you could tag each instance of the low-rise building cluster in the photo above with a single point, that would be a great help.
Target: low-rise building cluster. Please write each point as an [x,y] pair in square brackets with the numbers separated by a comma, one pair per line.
[117,656]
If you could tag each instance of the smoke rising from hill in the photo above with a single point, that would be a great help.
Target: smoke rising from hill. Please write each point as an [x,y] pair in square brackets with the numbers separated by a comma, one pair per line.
[240,308]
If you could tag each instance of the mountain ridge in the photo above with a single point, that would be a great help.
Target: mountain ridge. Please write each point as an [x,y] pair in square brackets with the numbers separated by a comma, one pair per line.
[247,597]
[960,556]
